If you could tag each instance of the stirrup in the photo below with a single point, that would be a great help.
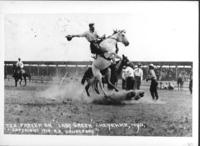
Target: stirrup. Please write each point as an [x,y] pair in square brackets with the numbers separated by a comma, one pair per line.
[95,57]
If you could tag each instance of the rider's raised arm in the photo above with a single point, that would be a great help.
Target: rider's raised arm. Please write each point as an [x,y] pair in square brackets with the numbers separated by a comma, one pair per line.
[79,35]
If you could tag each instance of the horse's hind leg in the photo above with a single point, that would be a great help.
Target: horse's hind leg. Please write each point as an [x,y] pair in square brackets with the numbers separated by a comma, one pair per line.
[108,75]
[96,87]
[20,82]
[25,80]
[15,83]
[87,88]
[178,87]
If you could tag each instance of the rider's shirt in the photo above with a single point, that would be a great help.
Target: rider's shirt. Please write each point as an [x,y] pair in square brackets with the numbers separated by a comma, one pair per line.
[20,64]
[90,36]
[152,74]
[129,72]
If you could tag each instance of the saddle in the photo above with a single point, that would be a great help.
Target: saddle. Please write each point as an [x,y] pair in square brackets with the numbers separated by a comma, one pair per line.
[95,47]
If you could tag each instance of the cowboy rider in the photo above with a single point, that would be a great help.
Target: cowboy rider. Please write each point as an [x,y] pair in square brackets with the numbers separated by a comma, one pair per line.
[20,65]
[94,39]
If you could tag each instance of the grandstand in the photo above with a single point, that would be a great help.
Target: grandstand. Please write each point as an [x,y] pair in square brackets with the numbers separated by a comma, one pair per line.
[166,71]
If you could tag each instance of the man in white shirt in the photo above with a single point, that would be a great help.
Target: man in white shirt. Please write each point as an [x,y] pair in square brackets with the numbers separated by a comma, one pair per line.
[130,77]
[138,73]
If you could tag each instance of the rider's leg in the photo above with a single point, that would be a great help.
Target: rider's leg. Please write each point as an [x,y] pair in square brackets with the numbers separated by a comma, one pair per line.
[108,75]
[98,76]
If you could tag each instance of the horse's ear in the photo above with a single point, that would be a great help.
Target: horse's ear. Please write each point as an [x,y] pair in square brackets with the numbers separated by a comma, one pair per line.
[114,31]
[123,31]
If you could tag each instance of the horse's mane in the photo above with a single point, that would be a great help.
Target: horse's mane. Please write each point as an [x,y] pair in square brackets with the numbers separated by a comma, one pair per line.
[116,31]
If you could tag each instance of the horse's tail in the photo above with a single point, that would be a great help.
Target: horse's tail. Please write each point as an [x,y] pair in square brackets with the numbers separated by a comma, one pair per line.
[87,75]
[83,80]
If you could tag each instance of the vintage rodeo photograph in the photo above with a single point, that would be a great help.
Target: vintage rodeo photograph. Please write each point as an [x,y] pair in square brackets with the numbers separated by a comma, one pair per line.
[100,69]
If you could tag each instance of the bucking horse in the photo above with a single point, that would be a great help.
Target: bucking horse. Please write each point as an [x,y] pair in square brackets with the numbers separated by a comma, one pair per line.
[103,65]
[110,79]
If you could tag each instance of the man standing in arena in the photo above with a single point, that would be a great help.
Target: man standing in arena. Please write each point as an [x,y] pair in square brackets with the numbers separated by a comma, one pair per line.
[92,37]
[138,73]
[124,76]
[154,83]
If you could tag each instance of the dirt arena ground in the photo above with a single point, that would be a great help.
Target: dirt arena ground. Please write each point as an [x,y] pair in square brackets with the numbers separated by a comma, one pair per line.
[41,108]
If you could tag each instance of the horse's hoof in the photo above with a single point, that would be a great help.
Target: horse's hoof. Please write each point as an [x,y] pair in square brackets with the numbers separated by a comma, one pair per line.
[107,97]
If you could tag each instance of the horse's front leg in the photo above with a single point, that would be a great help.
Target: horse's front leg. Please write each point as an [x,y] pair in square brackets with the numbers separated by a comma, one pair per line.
[108,77]
[16,82]
[24,80]
[20,82]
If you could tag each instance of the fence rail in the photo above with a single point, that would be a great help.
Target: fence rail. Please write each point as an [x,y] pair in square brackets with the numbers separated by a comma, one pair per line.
[160,63]
[59,68]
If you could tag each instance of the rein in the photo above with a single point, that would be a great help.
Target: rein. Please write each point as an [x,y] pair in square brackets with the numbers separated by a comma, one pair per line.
[113,39]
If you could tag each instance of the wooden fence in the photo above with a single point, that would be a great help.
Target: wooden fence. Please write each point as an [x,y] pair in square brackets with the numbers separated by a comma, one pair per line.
[48,69]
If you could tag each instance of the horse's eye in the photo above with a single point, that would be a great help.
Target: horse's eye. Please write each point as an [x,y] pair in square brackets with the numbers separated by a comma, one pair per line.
[123,35]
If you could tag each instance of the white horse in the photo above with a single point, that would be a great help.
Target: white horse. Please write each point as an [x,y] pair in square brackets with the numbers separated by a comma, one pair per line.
[109,47]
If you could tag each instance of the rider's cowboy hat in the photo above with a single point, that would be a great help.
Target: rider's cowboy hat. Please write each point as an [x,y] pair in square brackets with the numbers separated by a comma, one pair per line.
[91,24]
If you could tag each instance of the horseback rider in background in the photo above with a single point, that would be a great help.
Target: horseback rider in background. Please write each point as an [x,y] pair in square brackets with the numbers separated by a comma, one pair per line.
[20,66]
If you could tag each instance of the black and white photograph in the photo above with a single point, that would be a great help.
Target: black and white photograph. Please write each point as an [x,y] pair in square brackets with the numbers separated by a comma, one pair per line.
[99,72]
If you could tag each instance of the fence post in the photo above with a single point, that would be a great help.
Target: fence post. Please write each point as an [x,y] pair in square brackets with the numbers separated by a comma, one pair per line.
[29,68]
[160,72]
[57,70]
[5,71]
[176,72]
[76,73]
[47,70]
[66,68]
[38,72]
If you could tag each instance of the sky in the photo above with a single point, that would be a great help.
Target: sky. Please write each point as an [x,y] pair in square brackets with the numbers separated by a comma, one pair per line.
[156,31]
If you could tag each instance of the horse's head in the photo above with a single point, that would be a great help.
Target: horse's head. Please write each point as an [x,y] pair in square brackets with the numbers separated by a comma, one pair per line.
[120,36]
[125,60]
[121,63]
